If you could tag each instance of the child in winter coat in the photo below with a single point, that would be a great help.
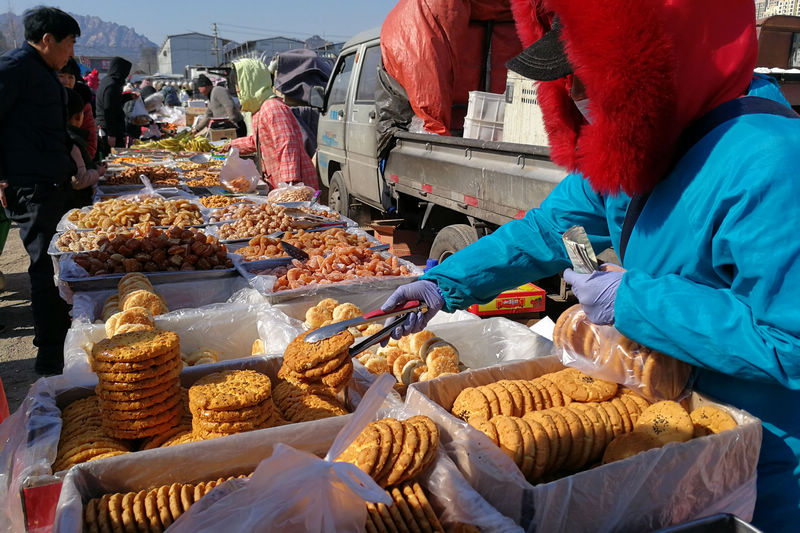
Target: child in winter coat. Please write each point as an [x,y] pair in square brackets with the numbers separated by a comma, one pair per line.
[88,173]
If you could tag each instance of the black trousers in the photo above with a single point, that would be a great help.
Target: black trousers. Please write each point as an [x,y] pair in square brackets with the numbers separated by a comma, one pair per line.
[37,210]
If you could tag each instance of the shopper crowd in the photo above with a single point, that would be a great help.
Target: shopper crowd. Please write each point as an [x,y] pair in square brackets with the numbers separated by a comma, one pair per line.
[57,126]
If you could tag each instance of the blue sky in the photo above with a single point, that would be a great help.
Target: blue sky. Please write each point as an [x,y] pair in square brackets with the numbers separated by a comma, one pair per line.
[239,20]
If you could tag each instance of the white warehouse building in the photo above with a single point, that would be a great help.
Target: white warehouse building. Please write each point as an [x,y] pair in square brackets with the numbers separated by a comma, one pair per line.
[186,49]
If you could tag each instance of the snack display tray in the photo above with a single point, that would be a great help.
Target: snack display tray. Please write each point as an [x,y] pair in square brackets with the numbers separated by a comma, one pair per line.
[110,281]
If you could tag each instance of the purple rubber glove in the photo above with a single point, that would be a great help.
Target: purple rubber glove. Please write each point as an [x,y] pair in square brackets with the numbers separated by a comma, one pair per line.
[424,291]
[596,292]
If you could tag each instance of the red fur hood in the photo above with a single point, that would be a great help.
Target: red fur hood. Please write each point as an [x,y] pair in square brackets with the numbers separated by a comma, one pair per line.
[650,68]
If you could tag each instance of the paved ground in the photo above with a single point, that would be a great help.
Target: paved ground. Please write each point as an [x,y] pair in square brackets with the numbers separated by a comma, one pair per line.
[17,352]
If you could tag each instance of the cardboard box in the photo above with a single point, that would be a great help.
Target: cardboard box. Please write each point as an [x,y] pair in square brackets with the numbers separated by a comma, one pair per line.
[225,133]
[527,298]
[192,113]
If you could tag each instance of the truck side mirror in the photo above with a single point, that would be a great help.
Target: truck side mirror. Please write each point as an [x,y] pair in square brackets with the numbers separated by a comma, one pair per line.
[317,97]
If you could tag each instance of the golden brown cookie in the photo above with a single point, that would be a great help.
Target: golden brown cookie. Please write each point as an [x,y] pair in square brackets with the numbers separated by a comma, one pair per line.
[617,426]
[182,437]
[201,426]
[471,406]
[301,356]
[582,387]
[517,402]
[90,516]
[622,409]
[230,389]
[170,377]
[404,459]
[600,437]
[510,437]
[528,447]
[187,496]
[162,502]
[421,453]
[547,423]
[491,397]
[364,451]
[175,506]
[666,421]
[150,373]
[169,403]
[128,521]
[135,394]
[577,435]
[709,419]
[103,518]
[504,397]
[139,514]
[427,509]
[537,393]
[136,347]
[588,436]
[339,378]
[138,429]
[403,509]
[628,445]
[142,298]
[488,429]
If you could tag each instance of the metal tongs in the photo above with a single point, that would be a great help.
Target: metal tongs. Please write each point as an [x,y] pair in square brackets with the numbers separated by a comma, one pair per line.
[401,313]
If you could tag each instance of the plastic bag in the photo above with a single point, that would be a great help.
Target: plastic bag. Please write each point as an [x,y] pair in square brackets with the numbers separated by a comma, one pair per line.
[291,193]
[605,353]
[654,489]
[239,175]
[295,491]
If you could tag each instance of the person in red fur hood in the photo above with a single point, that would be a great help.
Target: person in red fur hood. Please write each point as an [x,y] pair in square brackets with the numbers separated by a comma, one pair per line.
[683,161]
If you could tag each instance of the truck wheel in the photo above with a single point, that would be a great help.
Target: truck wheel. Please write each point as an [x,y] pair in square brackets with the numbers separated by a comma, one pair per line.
[452,239]
[338,199]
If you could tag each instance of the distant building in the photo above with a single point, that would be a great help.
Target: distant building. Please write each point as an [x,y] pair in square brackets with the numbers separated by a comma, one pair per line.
[261,47]
[761,8]
[184,49]
[781,7]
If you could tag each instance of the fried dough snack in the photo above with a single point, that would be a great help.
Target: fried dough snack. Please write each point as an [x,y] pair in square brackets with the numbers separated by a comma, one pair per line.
[154,250]
[253,220]
[345,263]
[123,213]
[312,242]
[222,200]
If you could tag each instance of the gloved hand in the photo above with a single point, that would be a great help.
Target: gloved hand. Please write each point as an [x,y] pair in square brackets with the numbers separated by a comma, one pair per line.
[424,291]
[596,292]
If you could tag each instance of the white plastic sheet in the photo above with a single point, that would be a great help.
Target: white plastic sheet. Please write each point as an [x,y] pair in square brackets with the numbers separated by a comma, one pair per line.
[235,167]
[655,489]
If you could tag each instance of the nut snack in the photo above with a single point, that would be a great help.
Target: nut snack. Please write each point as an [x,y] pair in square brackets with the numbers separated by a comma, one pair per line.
[151,510]
[138,388]
[392,451]
[255,211]
[232,401]
[324,363]
[155,250]
[84,241]
[222,200]
[311,242]
[656,375]
[251,221]
[123,213]
[83,437]
[344,263]
[291,194]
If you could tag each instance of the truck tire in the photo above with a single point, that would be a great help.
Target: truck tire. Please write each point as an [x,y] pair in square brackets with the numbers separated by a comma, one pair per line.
[338,199]
[452,239]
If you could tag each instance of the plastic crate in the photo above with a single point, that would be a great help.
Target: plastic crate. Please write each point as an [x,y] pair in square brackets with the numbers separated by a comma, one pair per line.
[483,130]
[523,122]
[489,107]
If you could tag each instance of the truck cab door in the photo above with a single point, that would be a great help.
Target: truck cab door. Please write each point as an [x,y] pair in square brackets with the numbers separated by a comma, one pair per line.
[331,140]
[361,142]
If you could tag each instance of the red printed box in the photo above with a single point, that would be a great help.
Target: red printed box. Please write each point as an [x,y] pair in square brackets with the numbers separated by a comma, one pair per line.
[525,299]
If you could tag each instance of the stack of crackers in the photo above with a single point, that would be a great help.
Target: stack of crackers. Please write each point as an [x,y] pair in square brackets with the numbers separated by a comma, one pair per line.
[392,451]
[147,510]
[232,401]
[410,511]
[324,363]
[658,376]
[138,386]
[83,437]
[304,404]
[133,307]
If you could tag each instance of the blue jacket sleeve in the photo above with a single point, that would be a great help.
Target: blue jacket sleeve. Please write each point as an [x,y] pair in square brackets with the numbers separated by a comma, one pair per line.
[745,321]
[523,250]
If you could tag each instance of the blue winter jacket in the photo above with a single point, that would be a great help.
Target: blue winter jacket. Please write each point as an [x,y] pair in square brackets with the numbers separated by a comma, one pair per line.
[713,277]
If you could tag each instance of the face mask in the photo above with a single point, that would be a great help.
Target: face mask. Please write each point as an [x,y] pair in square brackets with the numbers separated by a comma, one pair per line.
[583,107]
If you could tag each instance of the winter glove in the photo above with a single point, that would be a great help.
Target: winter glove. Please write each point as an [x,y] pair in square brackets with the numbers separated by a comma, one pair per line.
[596,292]
[424,291]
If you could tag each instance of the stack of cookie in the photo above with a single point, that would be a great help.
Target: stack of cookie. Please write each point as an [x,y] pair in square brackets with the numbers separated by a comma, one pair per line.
[304,404]
[180,434]
[138,383]
[393,451]
[410,511]
[658,376]
[83,437]
[146,510]
[229,402]
[323,363]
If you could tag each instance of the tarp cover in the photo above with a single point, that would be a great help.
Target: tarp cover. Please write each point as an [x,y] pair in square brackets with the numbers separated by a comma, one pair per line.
[438,50]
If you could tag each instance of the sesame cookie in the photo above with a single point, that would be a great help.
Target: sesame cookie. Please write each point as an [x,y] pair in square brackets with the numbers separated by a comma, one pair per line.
[301,356]
[582,387]
[628,445]
[709,419]
[230,389]
[471,405]
[135,394]
[504,397]
[136,347]
[666,421]
[131,386]
[142,404]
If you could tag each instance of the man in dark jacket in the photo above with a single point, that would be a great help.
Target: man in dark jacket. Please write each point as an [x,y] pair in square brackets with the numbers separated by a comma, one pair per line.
[36,164]
[110,115]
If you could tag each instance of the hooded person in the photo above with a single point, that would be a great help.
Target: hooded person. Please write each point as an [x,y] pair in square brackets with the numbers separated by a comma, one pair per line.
[220,105]
[276,139]
[70,77]
[110,115]
[684,162]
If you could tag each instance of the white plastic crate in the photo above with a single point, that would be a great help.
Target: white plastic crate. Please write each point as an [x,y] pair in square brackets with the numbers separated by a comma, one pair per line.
[486,106]
[523,121]
[483,129]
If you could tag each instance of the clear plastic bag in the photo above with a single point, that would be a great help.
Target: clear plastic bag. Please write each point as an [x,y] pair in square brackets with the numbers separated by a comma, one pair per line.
[651,490]
[605,353]
[239,175]
[291,193]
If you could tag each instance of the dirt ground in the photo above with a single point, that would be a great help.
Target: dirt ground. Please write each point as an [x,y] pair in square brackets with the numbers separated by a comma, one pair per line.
[17,353]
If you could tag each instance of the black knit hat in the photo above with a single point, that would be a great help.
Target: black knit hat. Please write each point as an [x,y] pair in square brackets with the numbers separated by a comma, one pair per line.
[72,68]
[544,60]
[203,81]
